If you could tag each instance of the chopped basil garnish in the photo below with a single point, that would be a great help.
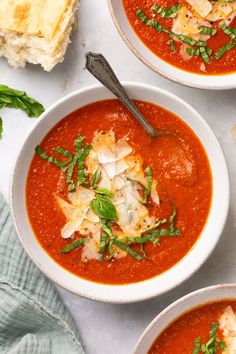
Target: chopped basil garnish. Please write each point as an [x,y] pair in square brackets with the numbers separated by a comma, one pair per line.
[147,190]
[103,207]
[103,191]
[127,249]
[50,159]
[96,178]
[231,32]
[208,30]
[152,235]
[75,244]
[212,345]
[197,345]
[196,52]
[224,49]
[168,12]
[69,165]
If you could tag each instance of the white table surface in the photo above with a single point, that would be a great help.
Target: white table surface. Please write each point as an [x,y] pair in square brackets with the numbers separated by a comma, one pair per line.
[105,328]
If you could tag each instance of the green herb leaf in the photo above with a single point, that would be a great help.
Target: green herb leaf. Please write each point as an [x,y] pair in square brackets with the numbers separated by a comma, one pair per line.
[75,244]
[104,191]
[231,32]
[48,158]
[104,208]
[168,12]
[224,49]
[60,150]
[208,30]
[127,249]
[147,190]
[103,244]
[81,167]
[96,178]
[212,345]
[1,127]
[196,52]
[197,345]
[12,98]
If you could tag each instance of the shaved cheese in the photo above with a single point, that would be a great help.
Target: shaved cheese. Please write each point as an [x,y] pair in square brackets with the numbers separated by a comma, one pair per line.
[104,145]
[202,7]
[70,228]
[82,196]
[228,326]
[90,250]
[123,149]
[66,208]
[220,11]
[154,193]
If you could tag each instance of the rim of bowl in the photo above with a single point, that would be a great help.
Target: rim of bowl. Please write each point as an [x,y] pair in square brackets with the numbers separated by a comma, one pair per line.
[164,73]
[174,305]
[148,294]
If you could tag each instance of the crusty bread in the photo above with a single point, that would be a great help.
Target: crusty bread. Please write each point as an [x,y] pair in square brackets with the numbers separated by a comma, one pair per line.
[36,31]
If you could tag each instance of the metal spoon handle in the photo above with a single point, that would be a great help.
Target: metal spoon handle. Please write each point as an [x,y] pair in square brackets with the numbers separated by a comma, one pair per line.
[99,67]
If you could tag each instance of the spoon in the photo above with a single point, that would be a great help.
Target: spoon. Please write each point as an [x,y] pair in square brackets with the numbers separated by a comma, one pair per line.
[99,67]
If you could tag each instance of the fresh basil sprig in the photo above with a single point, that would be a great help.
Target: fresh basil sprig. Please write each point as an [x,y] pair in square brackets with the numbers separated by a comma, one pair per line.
[12,98]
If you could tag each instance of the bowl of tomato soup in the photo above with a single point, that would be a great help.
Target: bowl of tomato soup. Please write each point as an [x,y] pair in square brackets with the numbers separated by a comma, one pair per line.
[110,213]
[201,322]
[190,42]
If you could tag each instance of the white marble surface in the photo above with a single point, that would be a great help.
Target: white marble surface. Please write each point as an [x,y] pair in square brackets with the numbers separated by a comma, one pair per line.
[105,328]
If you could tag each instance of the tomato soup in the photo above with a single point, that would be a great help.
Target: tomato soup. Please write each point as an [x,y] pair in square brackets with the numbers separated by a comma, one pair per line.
[173,189]
[196,328]
[199,41]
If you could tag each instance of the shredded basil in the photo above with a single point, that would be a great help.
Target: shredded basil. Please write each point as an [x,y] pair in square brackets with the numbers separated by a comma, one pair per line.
[127,249]
[196,52]
[96,178]
[212,345]
[168,12]
[72,160]
[231,32]
[75,244]
[104,191]
[208,30]
[147,190]
[197,345]
[50,159]
[224,49]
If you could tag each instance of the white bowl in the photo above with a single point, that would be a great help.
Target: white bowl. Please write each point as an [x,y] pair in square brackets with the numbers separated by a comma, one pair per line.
[167,280]
[178,308]
[212,82]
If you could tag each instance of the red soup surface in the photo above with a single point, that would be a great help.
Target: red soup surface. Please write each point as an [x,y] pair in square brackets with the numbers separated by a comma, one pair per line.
[191,194]
[159,42]
[180,336]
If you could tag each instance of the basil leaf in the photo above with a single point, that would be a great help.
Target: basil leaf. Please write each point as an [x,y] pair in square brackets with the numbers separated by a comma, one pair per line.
[60,150]
[20,100]
[96,178]
[48,158]
[104,208]
[74,245]
[197,345]
[103,244]
[168,12]
[147,190]
[1,127]
[128,250]
[81,167]
[104,191]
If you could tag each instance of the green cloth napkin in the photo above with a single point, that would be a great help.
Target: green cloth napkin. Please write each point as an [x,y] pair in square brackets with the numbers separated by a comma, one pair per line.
[32,317]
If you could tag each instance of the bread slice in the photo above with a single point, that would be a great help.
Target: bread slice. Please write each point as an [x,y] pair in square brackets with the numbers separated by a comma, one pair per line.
[36,31]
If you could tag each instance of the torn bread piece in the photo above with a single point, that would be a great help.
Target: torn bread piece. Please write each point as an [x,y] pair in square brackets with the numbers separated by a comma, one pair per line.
[36,31]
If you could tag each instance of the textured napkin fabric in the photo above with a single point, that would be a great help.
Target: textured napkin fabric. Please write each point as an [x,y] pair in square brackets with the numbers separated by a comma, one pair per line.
[33,320]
